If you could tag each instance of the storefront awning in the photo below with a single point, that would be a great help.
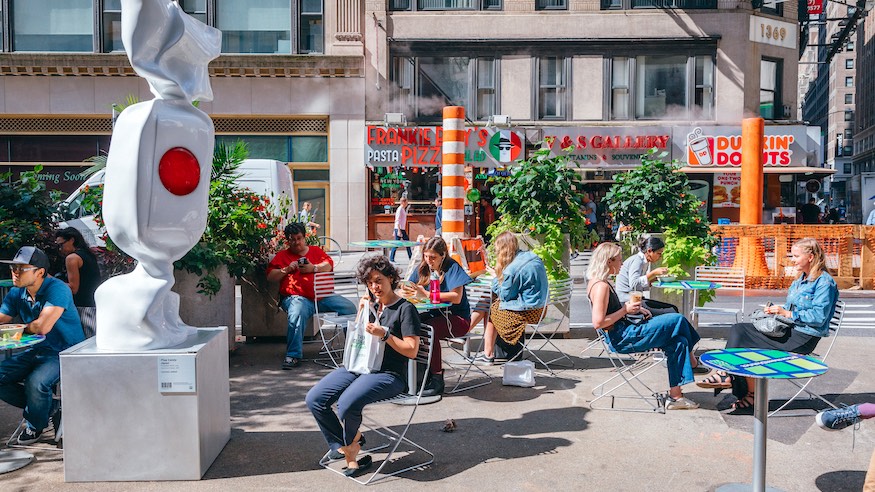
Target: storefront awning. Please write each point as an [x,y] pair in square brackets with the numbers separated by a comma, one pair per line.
[810,172]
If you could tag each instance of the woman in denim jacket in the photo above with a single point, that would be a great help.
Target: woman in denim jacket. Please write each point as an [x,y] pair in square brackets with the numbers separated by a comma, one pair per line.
[810,303]
[519,293]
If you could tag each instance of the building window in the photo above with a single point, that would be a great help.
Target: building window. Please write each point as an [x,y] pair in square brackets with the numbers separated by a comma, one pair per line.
[849,81]
[48,25]
[849,99]
[112,26]
[849,63]
[847,168]
[849,46]
[657,4]
[771,75]
[774,9]
[255,26]
[310,33]
[849,134]
[662,87]
[849,116]
[426,84]
[552,88]
[551,5]
[401,5]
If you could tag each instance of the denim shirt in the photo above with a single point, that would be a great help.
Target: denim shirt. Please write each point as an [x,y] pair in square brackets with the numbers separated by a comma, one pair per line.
[814,303]
[524,283]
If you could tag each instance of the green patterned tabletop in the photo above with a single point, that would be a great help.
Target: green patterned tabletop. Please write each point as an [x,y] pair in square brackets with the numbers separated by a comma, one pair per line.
[688,285]
[763,363]
[384,243]
[26,341]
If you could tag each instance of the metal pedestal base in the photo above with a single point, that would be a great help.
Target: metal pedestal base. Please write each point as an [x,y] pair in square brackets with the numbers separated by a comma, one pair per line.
[742,487]
[13,459]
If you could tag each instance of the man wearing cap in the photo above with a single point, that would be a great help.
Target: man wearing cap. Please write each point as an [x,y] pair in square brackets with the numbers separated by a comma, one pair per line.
[871,219]
[45,304]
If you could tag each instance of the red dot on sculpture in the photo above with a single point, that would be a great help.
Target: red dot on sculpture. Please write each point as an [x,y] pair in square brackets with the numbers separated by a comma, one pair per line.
[179,171]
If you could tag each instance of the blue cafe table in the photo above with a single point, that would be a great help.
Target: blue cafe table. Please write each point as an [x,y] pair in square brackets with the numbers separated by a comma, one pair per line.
[762,365]
[13,459]
[383,244]
[688,287]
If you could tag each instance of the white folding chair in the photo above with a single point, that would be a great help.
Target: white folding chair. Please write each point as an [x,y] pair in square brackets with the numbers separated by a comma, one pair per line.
[331,248]
[628,373]
[479,293]
[546,328]
[332,325]
[729,278]
[835,324]
[395,439]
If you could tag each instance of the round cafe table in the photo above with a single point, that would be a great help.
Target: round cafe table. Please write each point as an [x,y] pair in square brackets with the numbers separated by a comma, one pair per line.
[383,244]
[13,459]
[762,365]
[688,286]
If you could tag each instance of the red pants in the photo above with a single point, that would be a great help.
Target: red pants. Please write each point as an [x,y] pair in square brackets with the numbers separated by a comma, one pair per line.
[456,327]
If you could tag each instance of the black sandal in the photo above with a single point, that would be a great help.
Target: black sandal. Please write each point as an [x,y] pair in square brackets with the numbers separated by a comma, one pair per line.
[716,380]
[744,405]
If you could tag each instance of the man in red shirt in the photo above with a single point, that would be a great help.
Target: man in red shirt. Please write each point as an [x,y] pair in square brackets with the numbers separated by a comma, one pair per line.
[293,268]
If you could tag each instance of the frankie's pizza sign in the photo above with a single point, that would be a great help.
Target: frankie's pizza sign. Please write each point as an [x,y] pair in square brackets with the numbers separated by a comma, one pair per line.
[421,146]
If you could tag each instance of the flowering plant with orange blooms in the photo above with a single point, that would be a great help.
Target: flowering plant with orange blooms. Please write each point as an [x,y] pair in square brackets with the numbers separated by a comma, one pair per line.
[26,214]
[242,226]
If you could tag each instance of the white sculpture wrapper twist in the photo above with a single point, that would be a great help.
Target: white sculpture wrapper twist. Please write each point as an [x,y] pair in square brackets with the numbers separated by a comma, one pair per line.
[143,216]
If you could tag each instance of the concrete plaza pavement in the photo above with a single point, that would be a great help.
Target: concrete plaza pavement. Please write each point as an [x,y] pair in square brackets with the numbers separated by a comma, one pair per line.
[544,438]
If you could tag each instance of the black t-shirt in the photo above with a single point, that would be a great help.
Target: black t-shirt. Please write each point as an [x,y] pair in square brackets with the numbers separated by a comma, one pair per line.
[403,321]
[89,279]
[810,213]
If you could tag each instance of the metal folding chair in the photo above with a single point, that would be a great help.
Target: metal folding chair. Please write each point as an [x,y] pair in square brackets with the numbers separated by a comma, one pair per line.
[835,324]
[332,325]
[628,373]
[479,293]
[729,278]
[395,439]
[547,327]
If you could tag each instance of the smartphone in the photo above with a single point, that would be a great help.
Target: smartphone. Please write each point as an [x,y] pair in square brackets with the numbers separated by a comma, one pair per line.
[303,261]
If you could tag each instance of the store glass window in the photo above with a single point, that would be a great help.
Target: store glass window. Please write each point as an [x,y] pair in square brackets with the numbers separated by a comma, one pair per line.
[662,87]
[195,8]
[388,184]
[552,88]
[255,26]
[770,88]
[309,149]
[50,25]
[260,147]
[56,148]
[666,87]
[427,84]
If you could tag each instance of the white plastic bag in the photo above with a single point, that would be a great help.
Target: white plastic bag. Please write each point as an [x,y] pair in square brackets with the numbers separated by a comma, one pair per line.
[519,373]
[363,353]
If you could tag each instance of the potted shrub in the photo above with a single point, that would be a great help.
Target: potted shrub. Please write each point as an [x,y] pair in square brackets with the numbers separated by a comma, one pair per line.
[656,197]
[543,198]
[26,217]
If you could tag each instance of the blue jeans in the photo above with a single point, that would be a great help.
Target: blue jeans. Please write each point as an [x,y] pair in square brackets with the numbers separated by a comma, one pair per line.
[299,310]
[26,381]
[399,235]
[670,332]
[351,392]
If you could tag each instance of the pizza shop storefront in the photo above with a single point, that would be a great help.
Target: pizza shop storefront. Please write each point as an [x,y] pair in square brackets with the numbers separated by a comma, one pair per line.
[406,161]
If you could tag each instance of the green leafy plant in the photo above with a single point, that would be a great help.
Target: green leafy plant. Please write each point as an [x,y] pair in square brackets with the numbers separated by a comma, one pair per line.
[656,197]
[243,228]
[542,197]
[26,213]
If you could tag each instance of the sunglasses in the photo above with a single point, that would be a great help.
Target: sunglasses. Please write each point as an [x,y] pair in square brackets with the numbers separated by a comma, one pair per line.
[18,269]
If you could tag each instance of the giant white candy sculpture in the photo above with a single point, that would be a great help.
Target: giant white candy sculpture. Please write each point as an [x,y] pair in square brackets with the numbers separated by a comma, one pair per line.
[157,175]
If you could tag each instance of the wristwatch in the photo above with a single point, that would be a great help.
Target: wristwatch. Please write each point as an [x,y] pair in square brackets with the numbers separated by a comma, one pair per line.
[386,336]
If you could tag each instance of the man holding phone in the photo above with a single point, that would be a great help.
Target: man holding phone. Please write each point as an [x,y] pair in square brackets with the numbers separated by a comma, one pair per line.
[293,268]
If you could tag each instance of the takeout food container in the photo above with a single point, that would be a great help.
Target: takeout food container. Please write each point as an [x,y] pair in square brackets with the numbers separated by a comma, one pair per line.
[666,278]
[11,332]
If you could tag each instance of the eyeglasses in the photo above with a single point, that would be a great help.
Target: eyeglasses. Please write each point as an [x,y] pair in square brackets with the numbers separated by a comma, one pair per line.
[18,269]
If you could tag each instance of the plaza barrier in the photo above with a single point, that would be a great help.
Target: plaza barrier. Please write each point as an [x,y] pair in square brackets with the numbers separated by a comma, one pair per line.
[764,252]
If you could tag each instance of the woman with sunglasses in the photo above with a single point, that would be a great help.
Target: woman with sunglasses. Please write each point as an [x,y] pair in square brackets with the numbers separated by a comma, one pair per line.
[81,274]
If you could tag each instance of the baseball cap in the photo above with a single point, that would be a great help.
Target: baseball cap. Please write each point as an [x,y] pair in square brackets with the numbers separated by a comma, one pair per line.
[29,255]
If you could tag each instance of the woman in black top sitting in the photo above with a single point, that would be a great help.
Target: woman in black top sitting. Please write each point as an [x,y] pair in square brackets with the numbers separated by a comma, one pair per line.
[81,274]
[398,325]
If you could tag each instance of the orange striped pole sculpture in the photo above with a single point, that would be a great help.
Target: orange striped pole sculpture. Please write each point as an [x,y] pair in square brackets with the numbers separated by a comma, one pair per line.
[453,171]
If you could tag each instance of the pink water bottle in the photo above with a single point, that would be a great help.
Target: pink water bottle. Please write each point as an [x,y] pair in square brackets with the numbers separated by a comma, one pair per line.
[434,288]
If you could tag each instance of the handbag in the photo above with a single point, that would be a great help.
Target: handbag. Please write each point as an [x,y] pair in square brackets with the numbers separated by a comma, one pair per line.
[771,325]
[363,352]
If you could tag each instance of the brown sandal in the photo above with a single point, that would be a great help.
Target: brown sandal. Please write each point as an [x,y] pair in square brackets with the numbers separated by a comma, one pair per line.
[717,380]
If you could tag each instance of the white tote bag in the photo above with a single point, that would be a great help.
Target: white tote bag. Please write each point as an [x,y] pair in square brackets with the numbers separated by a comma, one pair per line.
[363,353]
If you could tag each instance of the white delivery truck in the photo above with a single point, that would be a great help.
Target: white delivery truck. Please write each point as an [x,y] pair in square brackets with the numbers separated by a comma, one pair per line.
[262,176]
[861,197]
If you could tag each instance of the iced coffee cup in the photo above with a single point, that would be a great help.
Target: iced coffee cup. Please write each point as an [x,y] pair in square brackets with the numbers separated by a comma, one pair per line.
[636,296]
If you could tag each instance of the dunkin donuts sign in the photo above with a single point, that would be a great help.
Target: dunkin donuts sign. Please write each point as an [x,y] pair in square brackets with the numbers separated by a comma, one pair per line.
[717,147]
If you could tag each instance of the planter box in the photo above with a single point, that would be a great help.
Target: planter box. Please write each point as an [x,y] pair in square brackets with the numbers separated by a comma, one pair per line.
[261,315]
[199,310]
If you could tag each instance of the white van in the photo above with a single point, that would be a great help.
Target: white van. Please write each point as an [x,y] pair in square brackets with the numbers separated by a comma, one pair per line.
[262,176]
